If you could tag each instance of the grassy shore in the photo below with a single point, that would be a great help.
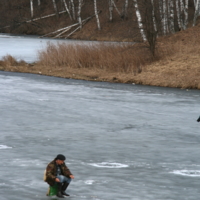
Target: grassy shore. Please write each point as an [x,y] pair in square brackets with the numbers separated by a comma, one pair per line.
[177,62]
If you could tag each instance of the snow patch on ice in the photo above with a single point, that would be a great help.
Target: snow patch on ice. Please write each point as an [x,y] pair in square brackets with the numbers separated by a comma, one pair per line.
[89,182]
[4,147]
[192,173]
[109,165]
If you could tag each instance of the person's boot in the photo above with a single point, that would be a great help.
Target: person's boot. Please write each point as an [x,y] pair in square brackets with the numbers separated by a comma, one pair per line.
[59,193]
[64,187]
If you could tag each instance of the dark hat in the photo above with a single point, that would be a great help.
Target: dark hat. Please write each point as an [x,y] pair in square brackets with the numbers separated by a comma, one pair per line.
[60,157]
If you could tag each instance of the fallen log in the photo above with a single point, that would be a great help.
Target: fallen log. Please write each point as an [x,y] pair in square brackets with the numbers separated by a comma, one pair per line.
[59,30]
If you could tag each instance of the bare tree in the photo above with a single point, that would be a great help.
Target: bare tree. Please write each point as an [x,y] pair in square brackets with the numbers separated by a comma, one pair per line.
[186,14]
[55,8]
[67,9]
[31,7]
[79,13]
[171,16]
[153,16]
[96,14]
[110,10]
[149,23]
[165,17]
[73,9]
[197,11]
[139,19]
[178,15]
[124,14]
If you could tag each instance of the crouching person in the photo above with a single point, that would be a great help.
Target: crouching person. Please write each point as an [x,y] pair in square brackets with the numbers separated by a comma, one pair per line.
[58,173]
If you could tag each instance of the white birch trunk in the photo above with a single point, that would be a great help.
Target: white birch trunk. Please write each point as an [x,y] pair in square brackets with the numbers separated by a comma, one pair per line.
[39,3]
[66,8]
[186,14]
[96,14]
[73,9]
[139,19]
[171,16]
[116,7]
[196,13]
[31,7]
[181,14]
[178,14]
[79,13]
[110,10]
[165,24]
[125,13]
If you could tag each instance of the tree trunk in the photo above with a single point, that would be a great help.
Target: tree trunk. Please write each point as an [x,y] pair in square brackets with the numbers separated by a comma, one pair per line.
[96,14]
[66,7]
[186,14]
[171,16]
[182,14]
[31,7]
[178,15]
[165,24]
[39,3]
[79,13]
[124,14]
[197,11]
[73,9]
[110,10]
[153,15]
[139,19]
[55,8]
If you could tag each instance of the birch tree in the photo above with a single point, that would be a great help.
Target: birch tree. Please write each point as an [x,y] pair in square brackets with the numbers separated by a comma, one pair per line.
[67,9]
[124,14]
[196,12]
[165,24]
[178,15]
[139,19]
[79,13]
[186,14]
[55,7]
[110,10]
[73,9]
[171,16]
[96,14]
[31,7]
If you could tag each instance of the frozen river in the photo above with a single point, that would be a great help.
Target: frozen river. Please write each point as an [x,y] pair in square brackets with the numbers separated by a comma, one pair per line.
[121,141]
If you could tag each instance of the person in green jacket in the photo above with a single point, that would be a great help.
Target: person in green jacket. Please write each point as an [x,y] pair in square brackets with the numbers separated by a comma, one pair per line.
[58,173]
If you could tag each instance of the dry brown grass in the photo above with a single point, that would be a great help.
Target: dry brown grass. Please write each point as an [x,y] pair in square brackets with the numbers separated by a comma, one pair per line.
[126,58]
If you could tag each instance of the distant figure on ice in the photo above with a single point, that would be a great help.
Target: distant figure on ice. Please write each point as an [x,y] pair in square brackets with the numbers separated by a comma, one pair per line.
[58,174]
[198,120]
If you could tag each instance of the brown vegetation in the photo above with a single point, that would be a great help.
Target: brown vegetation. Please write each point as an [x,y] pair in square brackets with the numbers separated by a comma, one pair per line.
[177,63]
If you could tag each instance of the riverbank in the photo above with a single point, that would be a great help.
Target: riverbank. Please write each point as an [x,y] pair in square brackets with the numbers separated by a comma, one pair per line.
[179,66]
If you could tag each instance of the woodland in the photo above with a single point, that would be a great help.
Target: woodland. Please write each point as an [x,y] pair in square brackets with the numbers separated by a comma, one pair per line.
[125,20]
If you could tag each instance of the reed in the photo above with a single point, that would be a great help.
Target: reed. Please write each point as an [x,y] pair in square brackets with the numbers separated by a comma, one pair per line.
[127,58]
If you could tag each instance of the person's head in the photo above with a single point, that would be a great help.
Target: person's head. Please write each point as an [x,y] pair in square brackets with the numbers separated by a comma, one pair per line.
[60,159]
